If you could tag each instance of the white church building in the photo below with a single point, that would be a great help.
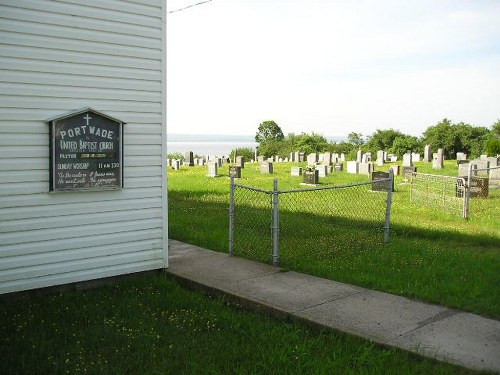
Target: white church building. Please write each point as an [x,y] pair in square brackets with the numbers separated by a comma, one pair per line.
[83,185]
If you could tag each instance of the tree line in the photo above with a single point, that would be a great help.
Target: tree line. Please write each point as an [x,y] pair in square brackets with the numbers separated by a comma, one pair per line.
[451,137]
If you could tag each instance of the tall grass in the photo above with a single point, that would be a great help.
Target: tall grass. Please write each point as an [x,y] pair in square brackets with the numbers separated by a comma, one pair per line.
[433,255]
[150,325]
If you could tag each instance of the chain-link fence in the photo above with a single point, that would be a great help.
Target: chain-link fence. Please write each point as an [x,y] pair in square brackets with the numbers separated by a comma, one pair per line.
[281,226]
[455,194]
[445,192]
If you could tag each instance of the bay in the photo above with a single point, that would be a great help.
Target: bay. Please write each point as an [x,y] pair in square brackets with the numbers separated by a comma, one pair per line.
[210,146]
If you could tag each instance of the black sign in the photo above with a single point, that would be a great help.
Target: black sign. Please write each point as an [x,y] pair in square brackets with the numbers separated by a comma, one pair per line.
[86,152]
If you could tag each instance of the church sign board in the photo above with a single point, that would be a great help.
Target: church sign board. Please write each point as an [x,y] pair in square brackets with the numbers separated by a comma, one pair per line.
[86,151]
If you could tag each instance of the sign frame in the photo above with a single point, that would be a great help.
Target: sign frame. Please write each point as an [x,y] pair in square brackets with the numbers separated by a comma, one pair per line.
[85,155]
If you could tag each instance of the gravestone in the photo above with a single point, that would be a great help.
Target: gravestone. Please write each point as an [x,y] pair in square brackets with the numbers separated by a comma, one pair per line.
[339,167]
[382,186]
[495,177]
[196,161]
[311,178]
[438,159]
[407,160]
[176,165]
[322,170]
[427,154]
[296,156]
[188,159]
[266,167]
[359,157]
[327,158]
[352,167]
[365,168]
[380,158]
[415,158]
[342,157]
[461,156]
[312,158]
[235,171]
[292,156]
[479,187]
[301,156]
[407,171]
[240,161]
[396,169]
[494,161]
[463,169]
[260,158]
[320,158]
[296,171]
[213,169]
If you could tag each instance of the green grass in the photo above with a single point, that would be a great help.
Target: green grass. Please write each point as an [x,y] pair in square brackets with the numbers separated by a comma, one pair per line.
[148,324]
[433,255]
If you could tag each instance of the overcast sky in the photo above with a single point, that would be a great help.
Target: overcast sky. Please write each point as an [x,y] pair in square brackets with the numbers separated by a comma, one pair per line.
[331,66]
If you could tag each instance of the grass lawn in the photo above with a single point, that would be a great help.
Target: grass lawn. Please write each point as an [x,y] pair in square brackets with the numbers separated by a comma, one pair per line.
[148,324]
[433,255]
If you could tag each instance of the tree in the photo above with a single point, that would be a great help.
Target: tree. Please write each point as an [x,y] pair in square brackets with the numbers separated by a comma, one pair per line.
[453,138]
[404,143]
[495,129]
[492,147]
[269,131]
[382,140]
[356,139]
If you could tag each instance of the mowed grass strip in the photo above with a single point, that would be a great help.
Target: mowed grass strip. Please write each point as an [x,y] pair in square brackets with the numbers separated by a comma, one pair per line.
[148,324]
[433,255]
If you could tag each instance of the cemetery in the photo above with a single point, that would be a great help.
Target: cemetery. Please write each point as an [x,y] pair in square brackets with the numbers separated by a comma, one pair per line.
[423,238]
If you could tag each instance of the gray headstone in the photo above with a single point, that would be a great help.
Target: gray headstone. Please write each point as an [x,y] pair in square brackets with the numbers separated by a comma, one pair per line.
[365,168]
[176,165]
[427,153]
[415,157]
[266,167]
[352,167]
[461,156]
[382,186]
[322,170]
[396,169]
[296,171]
[359,156]
[438,159]
[407,160]
[495,177]
[235,171]
[188,159]
[380,158]
[212,169]
[327,158]
[312,158]
[339,167]
[301,157]
[240,161]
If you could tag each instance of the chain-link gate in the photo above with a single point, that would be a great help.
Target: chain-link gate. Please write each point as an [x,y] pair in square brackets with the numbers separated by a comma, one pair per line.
[282,225]
[446,192]
[455,194]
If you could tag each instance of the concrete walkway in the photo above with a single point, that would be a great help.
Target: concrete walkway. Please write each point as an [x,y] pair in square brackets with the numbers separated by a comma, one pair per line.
[458,337]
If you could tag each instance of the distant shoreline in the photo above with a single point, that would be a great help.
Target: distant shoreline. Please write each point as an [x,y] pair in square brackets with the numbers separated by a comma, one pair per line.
[178,137]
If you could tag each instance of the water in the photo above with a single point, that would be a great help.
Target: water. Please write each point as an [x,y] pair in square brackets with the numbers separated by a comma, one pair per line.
[207,145]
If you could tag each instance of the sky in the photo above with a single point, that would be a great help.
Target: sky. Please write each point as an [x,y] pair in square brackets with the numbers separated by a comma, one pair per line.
[331,67]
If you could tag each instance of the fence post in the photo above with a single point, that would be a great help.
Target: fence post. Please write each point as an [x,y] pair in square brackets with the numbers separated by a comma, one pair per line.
[390,185]
[276,250]
[231,216]
[467,187]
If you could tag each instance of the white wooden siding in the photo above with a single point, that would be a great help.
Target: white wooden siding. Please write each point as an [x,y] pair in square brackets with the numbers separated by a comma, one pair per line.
[60,56]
